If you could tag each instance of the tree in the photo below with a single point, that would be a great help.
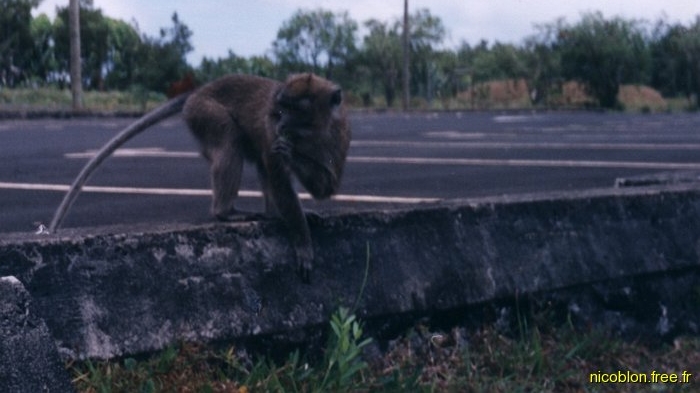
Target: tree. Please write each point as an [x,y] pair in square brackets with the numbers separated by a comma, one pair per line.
[162,60]
[318,40]
[45,61]
[211,69]
[602,54]
[76,83]
[689,41]
[94,33]
[426,32]
[676,59]
[449,77]
[16,42]
[543,61]
[381,52]
[123,45]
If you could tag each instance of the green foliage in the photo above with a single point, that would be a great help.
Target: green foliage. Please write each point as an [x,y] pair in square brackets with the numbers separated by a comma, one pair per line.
[42,34]
[602,54]
[122,56]
[94,33]
[343,361]
[425,33]
[161,60]
[542,356]
[200,369]
[16,42]
[542,59]
[675,54]
[134,100]
[315,41]
[211,69]
[341,370]
[382,58]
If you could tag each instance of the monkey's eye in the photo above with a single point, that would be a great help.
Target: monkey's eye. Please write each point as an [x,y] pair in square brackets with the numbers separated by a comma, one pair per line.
[298,105]
[276,114]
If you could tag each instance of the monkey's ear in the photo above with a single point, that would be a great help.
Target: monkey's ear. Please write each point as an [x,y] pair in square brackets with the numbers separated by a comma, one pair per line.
[336,97]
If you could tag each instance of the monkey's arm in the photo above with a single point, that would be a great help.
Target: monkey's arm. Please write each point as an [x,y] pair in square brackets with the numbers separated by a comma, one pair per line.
[164,111]
[318,178]
[288,206]
[315,172]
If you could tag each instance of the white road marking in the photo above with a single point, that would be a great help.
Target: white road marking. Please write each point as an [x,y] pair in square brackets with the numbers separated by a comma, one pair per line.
[525,163]
[529,145]
[203,192]
[455,134]
[159,152]
[514,118]
[138,152]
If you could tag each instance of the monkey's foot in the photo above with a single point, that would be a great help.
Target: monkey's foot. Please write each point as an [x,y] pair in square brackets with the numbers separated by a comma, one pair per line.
[239,216]
[312,216]
[305,259]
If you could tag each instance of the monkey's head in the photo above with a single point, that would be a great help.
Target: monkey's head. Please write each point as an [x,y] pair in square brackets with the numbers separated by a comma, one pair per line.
[308,112]
[305,106]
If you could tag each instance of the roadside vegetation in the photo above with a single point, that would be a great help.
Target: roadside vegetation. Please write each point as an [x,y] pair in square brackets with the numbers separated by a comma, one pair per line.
[53,99]
[502,95]
[656,56]
[539,356]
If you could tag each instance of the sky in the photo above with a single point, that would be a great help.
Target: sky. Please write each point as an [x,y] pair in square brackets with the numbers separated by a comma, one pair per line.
[248,27]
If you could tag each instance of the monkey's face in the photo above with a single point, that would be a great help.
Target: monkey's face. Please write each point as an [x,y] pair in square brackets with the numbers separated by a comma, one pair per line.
[309,119]
[304,109]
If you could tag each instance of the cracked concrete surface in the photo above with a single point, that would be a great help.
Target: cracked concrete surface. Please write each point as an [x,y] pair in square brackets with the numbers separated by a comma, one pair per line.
[106,292]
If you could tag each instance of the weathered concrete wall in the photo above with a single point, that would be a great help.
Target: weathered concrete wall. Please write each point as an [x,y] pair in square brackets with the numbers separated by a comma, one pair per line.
[29,361]
[124,291]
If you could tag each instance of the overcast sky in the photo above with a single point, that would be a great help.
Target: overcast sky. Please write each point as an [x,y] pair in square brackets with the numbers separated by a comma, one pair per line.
[248,27]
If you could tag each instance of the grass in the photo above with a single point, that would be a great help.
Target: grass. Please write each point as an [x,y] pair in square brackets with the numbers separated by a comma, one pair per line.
[504,94]
[54,99]
[538,357]
[196,368]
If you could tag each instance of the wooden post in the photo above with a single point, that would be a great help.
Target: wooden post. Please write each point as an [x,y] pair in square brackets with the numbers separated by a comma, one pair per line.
[75,64]
[406,70]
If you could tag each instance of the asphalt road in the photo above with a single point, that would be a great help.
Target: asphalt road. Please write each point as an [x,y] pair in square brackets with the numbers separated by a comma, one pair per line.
[395,160]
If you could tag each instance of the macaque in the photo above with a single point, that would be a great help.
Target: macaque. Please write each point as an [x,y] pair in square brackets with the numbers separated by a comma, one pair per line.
[298,128]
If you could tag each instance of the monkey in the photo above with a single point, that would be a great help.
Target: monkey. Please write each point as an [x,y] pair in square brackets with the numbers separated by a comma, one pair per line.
[296,128]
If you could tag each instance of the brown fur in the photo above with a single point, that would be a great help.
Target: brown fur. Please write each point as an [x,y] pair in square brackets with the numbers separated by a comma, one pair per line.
[298,128]
[184,85]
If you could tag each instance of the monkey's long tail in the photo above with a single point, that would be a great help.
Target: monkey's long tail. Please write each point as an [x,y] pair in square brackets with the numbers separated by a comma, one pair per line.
[164,111]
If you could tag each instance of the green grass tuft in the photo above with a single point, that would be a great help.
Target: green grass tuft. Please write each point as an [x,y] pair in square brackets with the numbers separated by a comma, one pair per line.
[539,357]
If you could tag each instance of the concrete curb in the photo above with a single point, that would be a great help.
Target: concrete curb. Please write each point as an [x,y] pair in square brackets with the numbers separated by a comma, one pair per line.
[109,292]
[29,361]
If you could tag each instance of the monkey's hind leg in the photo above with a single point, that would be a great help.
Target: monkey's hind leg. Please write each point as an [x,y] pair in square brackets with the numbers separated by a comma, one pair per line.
[226,169]
[216,132]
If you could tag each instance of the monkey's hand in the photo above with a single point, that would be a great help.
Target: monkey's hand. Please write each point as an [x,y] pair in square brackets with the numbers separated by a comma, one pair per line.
[305,258]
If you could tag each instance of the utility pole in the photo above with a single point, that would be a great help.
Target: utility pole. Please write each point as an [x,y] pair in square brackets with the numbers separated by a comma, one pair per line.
[76,85]
[406,76]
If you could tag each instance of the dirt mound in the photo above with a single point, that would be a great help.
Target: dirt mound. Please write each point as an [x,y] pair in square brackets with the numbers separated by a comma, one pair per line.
[512,93]
[501,94]
[638,97]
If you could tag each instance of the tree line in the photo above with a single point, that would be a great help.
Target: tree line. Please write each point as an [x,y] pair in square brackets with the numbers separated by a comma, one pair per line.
[600,53]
